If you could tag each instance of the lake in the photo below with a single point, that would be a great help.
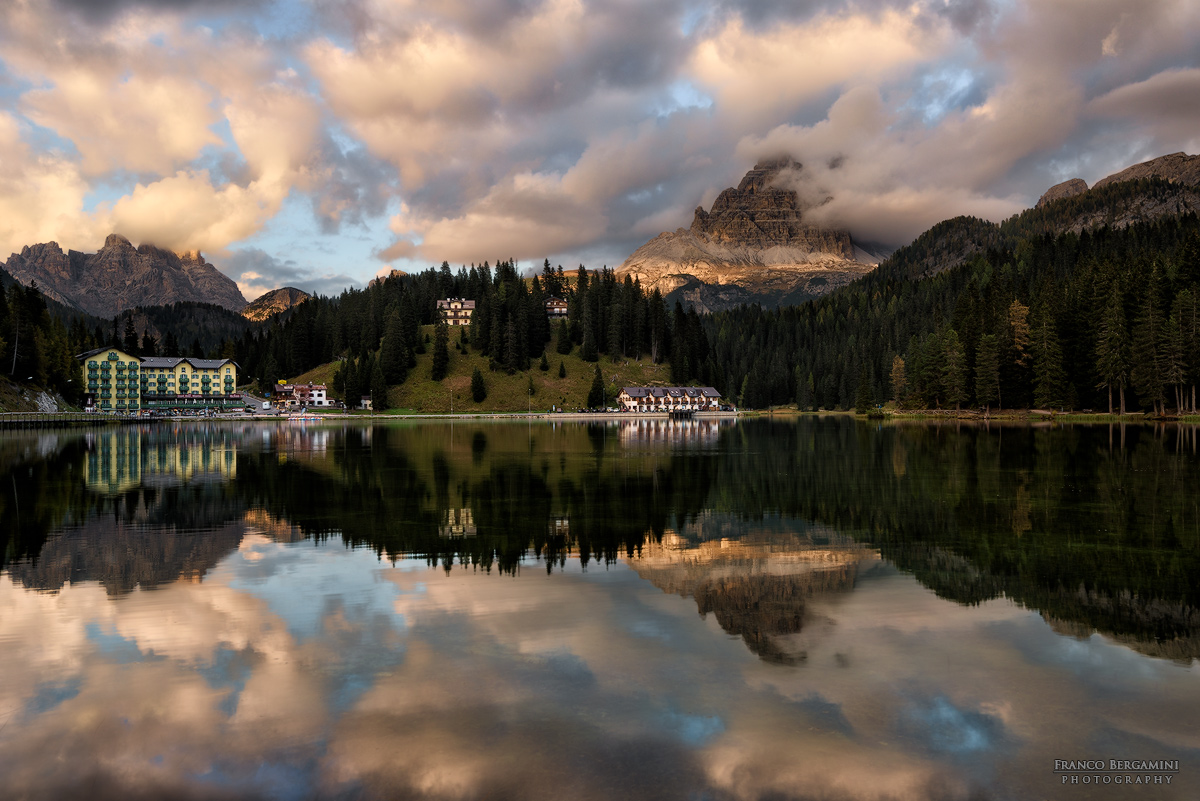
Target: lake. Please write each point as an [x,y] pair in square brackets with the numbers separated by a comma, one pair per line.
[756,609]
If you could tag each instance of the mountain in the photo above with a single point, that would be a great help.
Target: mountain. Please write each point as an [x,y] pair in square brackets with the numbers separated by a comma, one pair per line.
[1165,187]
[274,302]
[754,244]
[120,276]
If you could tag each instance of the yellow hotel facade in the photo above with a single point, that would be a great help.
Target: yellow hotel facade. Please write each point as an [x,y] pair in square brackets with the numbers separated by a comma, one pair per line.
[116,381]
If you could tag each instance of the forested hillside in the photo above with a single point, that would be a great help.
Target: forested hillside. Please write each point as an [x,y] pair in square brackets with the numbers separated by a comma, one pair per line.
[376,330]
[1033,319]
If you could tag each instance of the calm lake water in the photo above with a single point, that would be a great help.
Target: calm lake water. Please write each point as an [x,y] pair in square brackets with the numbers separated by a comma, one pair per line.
[739,610]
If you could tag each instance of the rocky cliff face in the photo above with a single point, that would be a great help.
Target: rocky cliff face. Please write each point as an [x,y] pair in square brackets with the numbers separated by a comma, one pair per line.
[761,586]
[1075,186]
[120,276]
[274,302]
[1176,168]
[753,244]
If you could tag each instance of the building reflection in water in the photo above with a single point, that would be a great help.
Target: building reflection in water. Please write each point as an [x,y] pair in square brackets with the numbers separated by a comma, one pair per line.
[687,433]
[126,458]
[458,523]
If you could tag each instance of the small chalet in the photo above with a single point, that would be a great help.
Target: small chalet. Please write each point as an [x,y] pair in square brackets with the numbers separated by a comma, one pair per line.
[301,395]
[669,399]
[556,308]
[456,311]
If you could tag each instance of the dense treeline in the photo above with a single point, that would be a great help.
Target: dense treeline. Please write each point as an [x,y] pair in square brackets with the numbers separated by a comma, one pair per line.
[1065,321]
[36,346]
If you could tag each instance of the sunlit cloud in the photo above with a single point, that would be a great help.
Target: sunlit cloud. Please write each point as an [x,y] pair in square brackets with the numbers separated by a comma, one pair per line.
[553,128]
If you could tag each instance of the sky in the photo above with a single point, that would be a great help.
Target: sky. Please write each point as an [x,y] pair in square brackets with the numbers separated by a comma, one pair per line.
[317,143]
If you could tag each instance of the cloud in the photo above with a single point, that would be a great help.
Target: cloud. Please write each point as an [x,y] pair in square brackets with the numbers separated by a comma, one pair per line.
[554,128]
[257,271]
[39,195]
[1162,105]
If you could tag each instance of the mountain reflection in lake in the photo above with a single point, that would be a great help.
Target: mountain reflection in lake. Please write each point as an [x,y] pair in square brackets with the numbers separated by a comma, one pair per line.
[810,609]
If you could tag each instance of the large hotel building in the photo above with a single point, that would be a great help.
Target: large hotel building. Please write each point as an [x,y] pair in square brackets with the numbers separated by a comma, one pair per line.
[117,381]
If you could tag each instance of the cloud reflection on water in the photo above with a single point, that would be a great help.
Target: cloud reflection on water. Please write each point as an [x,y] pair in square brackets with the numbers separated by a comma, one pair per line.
[295,672]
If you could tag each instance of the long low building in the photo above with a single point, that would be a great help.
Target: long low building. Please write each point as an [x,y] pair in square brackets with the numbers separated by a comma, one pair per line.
[118,381]
[669,399]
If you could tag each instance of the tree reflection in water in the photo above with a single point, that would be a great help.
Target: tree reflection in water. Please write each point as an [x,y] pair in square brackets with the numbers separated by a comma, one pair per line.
[1095,527]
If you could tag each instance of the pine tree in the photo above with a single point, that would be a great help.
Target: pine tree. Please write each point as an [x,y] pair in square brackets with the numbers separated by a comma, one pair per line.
[130,343]
[588,351]
[954,369]
[898,377]
[1049,378]
[564,338]
[1112,358]
[441,350]
[863,402]
[987,371]
[1172,359]
[544,364]
[1146,373]
[379,399]
[562,370]
[595,398]
[478,388]
[393,354]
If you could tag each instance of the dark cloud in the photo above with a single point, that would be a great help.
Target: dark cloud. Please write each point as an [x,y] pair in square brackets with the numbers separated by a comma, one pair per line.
[967,15]
[357,186]
[103,10]
[257,271]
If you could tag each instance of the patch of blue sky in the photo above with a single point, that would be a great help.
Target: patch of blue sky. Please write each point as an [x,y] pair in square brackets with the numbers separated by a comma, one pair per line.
[293,234]
[695,731]
[947,88]
[946,728]
[46,140]
[304,584]
[106,192]
[11,87]
[228,670]
[50,695]
[692,18]
[681,96]
[115,648]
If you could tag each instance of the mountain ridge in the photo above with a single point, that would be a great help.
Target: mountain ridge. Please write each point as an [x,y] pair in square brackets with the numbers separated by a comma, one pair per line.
[274,302]
[119,276]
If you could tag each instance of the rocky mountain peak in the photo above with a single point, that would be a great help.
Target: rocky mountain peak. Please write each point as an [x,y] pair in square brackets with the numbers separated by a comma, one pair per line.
[753,244]
[766,171]
[274,302]
[1174,168]
[119,277]
[1075,186]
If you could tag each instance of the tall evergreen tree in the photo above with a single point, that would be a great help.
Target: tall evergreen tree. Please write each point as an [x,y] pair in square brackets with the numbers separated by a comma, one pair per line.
[441,350]
[899,379]
[478,388]
[595,398]
[379,398]
[954,369]
[130,342]
[987,371]
[564,338]
[1049,378]
[1112,349]
[393,355]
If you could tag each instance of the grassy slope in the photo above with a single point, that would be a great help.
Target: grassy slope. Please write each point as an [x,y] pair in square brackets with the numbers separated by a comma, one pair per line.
[506,393]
